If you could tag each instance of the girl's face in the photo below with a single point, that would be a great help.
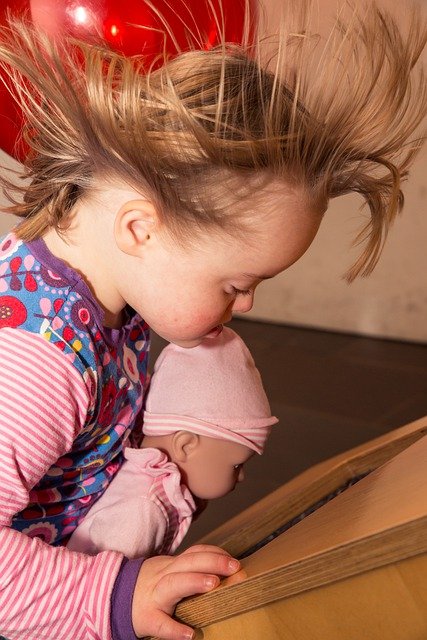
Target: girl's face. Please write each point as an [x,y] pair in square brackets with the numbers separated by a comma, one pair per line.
[185,294]
[215,468]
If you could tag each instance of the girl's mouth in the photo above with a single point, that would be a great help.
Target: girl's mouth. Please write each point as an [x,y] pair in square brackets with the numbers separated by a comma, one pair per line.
[213,333]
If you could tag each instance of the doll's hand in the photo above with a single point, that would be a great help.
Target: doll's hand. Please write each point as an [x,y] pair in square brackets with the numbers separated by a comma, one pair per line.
[164,580]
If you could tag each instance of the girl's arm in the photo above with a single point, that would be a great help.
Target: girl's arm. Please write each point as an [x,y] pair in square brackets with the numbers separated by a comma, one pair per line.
[44,591]
[51,592]
[161,582]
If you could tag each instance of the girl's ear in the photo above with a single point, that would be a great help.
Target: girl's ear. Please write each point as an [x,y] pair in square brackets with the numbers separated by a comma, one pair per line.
[134,224]
[184,445]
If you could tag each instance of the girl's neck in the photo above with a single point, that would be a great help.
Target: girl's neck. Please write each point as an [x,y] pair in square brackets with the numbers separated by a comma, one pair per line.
[80,249]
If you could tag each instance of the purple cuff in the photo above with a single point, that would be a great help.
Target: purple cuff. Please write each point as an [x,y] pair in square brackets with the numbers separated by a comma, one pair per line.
[121,600]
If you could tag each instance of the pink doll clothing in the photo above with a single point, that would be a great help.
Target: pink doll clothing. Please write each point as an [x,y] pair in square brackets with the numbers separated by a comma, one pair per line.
[213,389]
[145,511]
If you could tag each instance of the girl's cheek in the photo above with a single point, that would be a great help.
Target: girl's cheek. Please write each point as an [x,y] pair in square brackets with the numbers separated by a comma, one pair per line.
[206,318]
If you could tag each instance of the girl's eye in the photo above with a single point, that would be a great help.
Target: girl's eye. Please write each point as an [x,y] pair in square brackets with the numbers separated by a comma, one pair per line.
[241,292]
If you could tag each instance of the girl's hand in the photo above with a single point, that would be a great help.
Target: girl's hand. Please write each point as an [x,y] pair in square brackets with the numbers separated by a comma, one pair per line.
[164,580]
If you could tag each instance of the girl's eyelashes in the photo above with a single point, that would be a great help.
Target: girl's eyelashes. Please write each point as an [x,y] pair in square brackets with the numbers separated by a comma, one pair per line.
[241,292]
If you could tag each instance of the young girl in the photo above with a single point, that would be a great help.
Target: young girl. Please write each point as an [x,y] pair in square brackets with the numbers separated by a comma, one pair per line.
[161,198]
[206,414]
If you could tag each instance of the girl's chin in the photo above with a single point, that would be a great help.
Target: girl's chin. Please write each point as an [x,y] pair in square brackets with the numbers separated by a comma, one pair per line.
[189,344]
[214,333]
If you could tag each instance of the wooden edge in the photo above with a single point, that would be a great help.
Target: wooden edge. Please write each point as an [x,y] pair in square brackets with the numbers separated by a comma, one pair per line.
[389,546]
[287,502]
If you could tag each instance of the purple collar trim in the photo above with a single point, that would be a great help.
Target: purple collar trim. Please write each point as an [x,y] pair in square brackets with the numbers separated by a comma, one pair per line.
[113,336]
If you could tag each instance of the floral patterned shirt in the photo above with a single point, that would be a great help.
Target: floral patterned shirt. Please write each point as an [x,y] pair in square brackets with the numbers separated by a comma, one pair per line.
[44,300]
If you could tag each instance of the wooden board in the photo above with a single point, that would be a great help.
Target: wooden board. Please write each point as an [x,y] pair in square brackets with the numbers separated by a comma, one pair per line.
[296,496]
[389,603]
[353,568]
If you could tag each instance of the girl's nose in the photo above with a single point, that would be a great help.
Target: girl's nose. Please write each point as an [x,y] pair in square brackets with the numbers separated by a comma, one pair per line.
[243,304]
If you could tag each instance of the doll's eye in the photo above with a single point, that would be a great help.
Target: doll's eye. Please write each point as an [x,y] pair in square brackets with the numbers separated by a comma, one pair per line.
[237,467]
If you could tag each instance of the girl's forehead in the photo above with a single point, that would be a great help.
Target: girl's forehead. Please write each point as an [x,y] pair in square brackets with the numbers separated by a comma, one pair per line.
[280,208]
[272,224]
[281,222]
[285,199]
[271,238]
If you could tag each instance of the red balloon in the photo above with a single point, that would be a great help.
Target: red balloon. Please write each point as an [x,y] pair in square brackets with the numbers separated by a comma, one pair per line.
[131,27]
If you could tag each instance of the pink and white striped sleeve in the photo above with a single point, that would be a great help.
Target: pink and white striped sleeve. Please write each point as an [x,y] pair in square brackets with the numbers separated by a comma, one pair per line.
[45,592]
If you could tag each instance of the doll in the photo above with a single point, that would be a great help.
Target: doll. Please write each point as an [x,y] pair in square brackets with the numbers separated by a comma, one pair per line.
[206,414]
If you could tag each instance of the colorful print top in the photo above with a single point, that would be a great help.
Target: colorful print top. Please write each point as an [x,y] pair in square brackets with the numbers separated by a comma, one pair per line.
[71,392]
[44,302]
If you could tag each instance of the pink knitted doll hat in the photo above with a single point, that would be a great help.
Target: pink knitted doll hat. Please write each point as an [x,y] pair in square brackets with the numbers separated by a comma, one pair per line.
[213,390]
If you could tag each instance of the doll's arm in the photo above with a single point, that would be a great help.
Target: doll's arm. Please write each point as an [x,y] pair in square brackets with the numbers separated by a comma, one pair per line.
[134,526]
[129,517]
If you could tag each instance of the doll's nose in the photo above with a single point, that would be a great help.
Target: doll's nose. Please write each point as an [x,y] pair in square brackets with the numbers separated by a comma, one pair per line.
[241,475]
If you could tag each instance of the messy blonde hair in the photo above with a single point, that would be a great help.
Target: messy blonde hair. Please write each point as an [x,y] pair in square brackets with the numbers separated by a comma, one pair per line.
[331,120]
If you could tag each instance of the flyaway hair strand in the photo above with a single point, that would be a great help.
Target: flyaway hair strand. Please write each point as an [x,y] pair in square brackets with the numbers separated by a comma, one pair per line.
[198,132]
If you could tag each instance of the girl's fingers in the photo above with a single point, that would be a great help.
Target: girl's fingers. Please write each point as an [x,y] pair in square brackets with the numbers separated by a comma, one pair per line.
[164,627]
[204,547]
[205,559]
[173,587]
[164,580]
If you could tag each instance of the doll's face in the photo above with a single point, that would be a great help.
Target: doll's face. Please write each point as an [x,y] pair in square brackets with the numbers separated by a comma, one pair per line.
[215,468]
